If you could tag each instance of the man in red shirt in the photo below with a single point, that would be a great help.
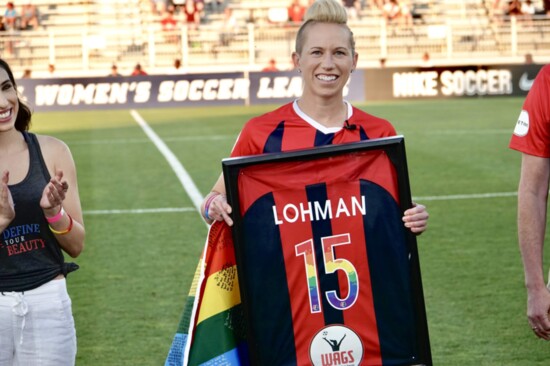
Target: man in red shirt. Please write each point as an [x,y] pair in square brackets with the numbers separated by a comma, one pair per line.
[532,138]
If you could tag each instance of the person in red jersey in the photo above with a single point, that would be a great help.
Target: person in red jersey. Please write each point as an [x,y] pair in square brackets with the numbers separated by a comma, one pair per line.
[325,56]
[532,138]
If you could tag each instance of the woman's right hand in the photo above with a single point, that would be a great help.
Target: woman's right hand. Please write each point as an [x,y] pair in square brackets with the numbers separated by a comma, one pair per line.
[217,208]
[7,208]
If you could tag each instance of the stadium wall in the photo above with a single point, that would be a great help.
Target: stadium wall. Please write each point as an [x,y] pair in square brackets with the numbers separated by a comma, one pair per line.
[253,88]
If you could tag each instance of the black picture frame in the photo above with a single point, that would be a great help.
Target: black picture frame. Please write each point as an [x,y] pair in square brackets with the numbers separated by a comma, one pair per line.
[234,168]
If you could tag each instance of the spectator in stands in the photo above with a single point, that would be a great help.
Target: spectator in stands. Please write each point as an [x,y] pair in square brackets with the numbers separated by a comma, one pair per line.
[158,6]
[396,13]
[7,43]
[353,8]
[406,11]
[382,63]
[192,14]
[51,70]
[378,4]
[169,25]
[390,10]
[213,6]
[11,17]
[177,64]
[426,60]
[229,26]
[26,74]
[175,68]
[528,9]
[546,6]
[528,59]
[29,16]
[168,22]
[296,11]
[271,66]
[514,8]
[177,5]
[114,71]
[199,4]
[138,70]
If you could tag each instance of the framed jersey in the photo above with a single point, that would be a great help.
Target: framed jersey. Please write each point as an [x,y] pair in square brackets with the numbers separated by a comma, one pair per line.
[327,271]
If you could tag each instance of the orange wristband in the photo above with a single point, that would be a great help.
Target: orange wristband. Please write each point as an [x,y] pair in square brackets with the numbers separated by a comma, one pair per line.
[63,232]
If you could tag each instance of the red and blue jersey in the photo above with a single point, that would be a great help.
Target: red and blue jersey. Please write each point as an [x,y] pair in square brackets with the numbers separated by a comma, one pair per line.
[325,248]
[287,128]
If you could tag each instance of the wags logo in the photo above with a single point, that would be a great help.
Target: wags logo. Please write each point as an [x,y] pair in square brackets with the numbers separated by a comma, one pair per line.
[336,345]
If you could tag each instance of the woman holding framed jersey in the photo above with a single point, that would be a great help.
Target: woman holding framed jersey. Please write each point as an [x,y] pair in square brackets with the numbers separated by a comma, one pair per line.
[325,56]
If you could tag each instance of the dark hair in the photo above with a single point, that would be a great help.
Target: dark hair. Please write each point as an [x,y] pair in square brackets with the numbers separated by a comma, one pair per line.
[23,120]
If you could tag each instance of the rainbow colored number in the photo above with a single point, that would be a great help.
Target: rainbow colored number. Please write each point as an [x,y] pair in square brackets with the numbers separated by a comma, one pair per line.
[332,264]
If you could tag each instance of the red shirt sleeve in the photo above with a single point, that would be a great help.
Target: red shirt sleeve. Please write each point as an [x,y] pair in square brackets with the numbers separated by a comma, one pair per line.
[532,131]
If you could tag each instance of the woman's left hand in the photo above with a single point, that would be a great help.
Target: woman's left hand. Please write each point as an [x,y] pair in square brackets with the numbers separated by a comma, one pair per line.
[416,218]
[54,193]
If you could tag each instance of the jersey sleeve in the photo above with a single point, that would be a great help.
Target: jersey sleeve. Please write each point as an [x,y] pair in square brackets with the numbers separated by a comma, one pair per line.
[532,130]
[245,144]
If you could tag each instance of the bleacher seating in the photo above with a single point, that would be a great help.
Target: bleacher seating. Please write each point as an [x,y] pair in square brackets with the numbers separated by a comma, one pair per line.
[87,36]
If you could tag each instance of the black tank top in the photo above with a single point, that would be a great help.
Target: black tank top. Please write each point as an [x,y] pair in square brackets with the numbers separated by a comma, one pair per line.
[29,252]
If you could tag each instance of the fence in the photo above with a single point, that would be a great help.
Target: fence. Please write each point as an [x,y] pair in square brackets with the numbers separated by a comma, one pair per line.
[90,50]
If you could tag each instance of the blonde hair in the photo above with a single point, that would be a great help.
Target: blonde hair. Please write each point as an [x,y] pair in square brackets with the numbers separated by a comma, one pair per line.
[323,11]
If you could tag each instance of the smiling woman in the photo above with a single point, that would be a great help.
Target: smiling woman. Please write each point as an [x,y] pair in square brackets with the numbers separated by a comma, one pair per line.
[325,57]
[40,218]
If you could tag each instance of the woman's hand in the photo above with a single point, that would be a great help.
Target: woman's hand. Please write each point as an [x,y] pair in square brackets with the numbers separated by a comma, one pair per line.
[7,208]
[416,218]
[216,208]
[54,194]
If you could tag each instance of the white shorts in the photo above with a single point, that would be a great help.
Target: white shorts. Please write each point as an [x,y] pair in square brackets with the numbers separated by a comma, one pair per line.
[37,327]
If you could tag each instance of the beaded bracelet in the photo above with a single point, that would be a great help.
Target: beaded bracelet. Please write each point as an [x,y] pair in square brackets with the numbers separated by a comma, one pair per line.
[57,216]
[63,232]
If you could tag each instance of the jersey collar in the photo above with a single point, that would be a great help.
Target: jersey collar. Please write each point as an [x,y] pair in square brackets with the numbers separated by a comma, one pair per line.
[317,125]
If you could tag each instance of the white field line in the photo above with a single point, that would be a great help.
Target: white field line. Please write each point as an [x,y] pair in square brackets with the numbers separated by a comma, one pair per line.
[140,211]
[192,209]
[184,177]
[233,137]
[197,197]
[146,141]
[465,196]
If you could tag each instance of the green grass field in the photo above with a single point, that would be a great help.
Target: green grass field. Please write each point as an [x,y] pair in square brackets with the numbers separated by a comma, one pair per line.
[144,238]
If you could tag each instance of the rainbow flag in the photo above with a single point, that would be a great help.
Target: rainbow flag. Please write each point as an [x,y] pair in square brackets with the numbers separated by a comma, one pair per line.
[212,328]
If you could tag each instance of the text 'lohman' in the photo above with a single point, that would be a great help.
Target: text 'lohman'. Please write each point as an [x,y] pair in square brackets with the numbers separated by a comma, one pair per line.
[315,210]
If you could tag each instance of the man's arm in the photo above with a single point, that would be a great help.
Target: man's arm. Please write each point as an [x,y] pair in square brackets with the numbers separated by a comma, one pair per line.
[532,201]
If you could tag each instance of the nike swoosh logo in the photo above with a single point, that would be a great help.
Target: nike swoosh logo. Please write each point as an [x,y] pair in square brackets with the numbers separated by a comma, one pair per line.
[525,83]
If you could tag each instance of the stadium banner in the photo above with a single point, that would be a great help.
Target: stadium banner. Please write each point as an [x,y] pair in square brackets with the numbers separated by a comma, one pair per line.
[328,274]
[240,88]
[449,82]
[286,86]
[197,90]
[134,92]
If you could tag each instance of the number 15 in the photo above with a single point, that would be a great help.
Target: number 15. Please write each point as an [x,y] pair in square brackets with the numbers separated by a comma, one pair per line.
[332,264]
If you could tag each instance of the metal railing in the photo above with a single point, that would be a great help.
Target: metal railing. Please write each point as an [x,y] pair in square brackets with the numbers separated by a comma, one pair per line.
[87,50]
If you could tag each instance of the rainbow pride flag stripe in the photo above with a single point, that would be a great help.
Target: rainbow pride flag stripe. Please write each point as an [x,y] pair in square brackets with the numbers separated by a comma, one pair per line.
[212,330]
